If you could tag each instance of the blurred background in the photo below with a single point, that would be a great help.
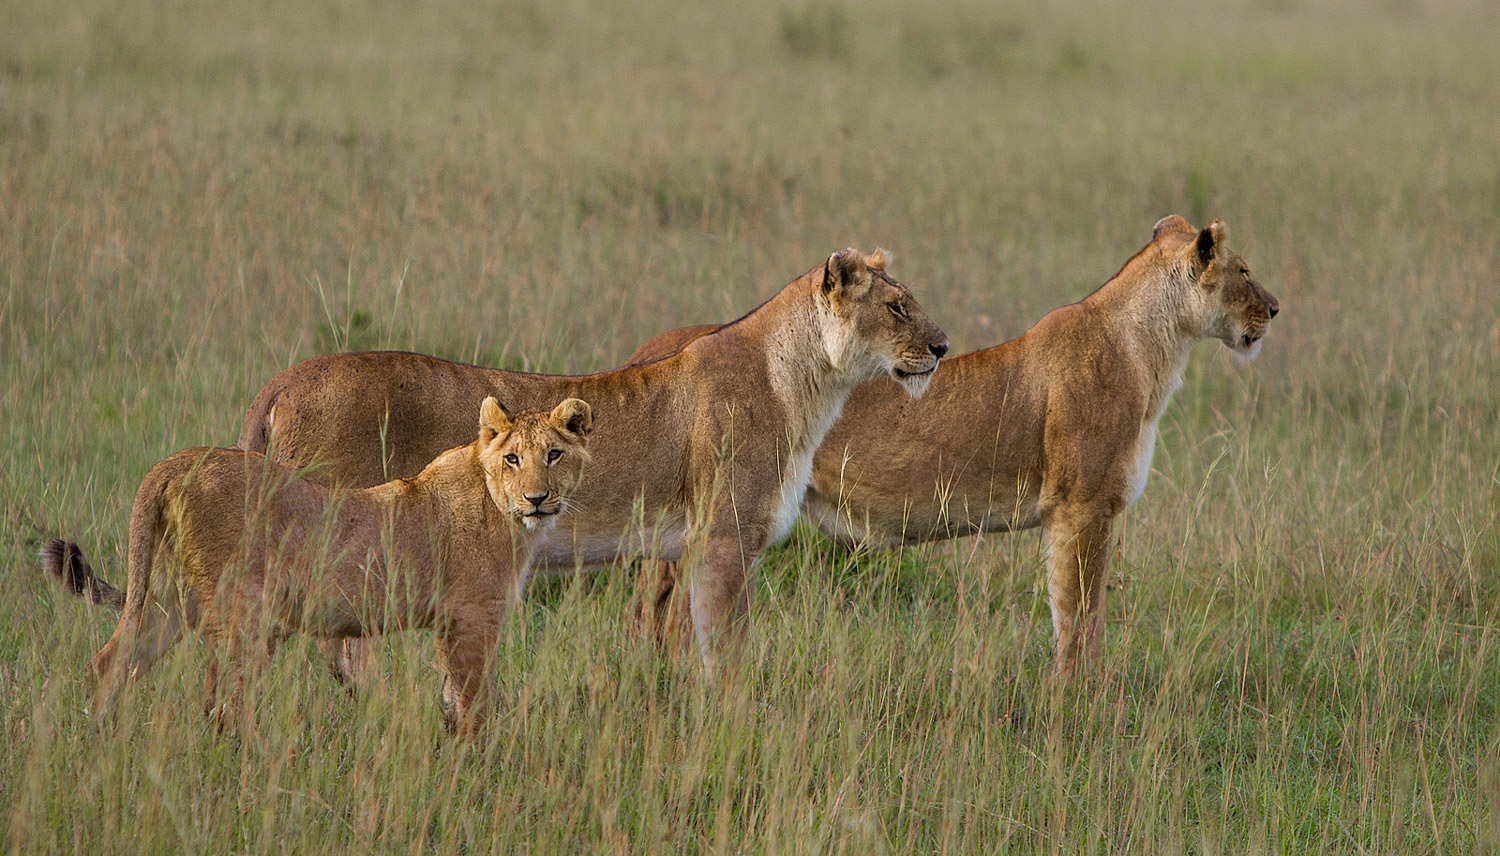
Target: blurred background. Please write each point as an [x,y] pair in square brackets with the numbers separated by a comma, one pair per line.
[194,196]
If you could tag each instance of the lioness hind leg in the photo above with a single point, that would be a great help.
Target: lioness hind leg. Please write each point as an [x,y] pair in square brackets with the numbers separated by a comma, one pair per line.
[348,660]
[658,608]
[1078,551]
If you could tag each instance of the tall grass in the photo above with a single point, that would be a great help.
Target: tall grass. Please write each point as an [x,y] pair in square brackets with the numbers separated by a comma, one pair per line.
[1305,616]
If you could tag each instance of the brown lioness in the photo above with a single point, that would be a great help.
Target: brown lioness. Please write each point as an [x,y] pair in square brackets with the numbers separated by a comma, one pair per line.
[239,547]
[1055,428]
[709,448]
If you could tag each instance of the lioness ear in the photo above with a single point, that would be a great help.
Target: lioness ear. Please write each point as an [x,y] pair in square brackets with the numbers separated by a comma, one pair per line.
[842,271]
[574,416]
[1211,241]
[879,260]
[493,420]
[1168,224]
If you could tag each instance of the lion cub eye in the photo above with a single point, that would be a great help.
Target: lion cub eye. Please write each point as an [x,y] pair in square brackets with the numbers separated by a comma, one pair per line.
[554,455]
[513,459]
[896,309]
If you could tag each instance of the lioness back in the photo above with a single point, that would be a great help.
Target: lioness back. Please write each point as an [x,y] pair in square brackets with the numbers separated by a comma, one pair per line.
[398,409]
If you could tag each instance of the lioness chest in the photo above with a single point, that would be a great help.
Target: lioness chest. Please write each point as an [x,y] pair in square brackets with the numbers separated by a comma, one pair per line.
[795,477]
[1138,465]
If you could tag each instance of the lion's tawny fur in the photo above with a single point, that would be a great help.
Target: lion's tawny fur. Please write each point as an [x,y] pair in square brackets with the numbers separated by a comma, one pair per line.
[248,552]
[1055,428]
[707,451]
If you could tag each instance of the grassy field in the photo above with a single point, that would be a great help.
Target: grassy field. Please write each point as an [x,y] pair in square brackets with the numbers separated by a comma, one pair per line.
[1304,627]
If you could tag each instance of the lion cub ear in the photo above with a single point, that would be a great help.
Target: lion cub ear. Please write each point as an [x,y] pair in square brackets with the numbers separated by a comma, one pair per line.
[841,273]
[573,417]
[493,421]
[1210,241]
[1168,224]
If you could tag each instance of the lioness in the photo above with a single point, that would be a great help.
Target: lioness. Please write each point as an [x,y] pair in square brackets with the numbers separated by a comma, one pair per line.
[709,449]
[252,551]
[1056,428]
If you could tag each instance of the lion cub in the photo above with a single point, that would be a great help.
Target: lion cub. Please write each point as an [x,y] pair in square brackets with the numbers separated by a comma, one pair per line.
[254,553]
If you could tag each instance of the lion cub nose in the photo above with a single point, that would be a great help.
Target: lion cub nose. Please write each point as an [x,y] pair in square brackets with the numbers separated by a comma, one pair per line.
[537,498]
[941,348]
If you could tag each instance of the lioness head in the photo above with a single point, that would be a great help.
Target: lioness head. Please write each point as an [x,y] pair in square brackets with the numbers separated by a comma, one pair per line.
[533,460]
[1233,307]
[872,325]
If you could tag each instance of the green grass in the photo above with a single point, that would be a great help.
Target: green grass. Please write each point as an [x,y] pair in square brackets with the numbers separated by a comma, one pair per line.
[1304,628]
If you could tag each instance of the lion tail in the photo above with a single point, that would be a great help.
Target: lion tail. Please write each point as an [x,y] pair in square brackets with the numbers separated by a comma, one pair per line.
[146,522]
[260,419]
[142,634]
[64,562]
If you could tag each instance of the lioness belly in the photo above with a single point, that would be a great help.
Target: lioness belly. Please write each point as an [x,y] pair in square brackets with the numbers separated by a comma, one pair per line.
[600,542]
[891,522]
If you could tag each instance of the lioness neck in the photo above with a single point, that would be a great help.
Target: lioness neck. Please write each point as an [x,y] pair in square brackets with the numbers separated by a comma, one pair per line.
[1153,319]
[793,332]
[791,329]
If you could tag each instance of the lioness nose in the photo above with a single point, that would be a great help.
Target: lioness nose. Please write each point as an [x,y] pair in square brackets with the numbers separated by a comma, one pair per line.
[939,349]
[1275,308]
[537,498]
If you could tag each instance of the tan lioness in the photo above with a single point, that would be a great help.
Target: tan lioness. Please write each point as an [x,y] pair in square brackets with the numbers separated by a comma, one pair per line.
[243,549]
[1056,428]
[709,449]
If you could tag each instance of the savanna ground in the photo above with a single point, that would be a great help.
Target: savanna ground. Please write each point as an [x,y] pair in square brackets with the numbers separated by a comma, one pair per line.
[1304,627]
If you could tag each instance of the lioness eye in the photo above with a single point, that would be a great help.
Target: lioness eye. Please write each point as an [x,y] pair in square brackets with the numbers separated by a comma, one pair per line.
[896,309]
[553,455]
[513,460]
[1245,271]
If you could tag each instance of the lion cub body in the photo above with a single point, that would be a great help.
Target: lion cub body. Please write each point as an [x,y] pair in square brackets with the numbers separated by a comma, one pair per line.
[244,549]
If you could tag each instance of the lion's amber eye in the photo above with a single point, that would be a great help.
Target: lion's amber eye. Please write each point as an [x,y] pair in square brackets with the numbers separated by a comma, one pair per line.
[554,455]
[896,309]
[513,459]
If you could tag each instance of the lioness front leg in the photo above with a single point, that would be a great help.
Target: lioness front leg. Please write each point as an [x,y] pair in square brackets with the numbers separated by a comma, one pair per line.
[1078,551]
[719,598]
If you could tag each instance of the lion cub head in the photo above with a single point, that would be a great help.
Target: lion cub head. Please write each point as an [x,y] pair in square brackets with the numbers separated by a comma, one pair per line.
[1232,306]
[872,325]
[533,461]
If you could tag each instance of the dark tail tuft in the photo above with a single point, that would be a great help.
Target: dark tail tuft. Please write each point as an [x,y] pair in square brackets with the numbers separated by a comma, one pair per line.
[63,561]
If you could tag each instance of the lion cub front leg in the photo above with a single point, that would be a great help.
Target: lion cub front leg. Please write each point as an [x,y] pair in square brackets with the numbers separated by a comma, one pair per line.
[1078,552]
[224,677]
[467,640]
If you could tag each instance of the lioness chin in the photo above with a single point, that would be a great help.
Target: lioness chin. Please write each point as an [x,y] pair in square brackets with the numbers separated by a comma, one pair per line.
[247,552]
[1056,428]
